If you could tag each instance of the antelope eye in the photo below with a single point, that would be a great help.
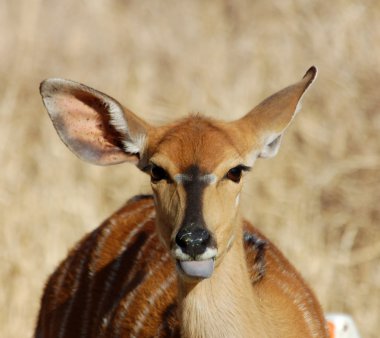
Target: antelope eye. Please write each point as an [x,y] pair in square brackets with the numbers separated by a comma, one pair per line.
[235,173]
[157,173]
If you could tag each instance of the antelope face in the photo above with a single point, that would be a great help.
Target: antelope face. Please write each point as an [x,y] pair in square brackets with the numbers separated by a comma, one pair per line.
[196,172]
[196,164]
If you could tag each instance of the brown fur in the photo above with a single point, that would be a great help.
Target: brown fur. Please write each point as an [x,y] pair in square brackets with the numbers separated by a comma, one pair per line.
[280,282]
[121,280]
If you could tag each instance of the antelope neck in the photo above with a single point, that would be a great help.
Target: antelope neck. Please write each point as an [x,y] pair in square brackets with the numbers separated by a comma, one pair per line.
[223,305]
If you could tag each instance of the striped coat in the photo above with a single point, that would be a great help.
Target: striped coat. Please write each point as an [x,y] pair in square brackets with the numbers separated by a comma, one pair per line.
[119,280]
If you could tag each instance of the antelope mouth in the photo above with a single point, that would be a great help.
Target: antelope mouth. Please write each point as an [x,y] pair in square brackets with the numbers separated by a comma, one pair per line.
[193,265]
[197,269]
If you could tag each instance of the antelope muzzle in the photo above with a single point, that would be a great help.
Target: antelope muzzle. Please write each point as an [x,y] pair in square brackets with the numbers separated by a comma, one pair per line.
[195,251]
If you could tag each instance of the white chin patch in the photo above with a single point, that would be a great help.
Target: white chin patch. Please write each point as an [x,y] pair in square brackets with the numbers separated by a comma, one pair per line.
[199,269]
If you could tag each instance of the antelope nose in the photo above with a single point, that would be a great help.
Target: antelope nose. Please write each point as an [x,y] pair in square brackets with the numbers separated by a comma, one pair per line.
[193,241]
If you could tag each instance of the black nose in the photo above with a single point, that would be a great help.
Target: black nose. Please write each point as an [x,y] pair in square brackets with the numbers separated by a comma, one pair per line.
[193,240]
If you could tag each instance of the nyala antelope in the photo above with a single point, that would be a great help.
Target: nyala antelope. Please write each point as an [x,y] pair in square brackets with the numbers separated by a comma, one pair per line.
[180,263]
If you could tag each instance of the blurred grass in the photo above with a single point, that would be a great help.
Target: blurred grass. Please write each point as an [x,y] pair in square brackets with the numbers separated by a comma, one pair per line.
[318,200]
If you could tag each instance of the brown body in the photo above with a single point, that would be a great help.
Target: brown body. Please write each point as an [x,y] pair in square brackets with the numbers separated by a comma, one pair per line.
[182,263]
[119,281]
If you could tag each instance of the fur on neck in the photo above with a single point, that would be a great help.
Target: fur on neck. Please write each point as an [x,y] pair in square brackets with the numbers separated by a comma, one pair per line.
[223,305]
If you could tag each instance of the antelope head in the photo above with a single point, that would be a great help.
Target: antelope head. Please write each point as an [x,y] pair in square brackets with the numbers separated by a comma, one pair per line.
[196,165]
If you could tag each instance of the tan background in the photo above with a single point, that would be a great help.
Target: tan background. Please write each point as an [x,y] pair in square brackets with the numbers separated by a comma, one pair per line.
[319,200]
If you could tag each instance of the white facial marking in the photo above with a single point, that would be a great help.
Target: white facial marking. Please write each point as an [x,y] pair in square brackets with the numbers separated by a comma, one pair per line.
[208,178]
[208,254]
[180,255]
[181,178]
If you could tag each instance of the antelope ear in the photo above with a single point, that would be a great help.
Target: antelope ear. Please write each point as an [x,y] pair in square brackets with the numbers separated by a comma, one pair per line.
[271,117]
[93,125]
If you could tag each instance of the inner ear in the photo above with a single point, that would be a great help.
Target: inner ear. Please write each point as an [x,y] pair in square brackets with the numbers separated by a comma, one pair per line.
[271,146]
[102,117]
[92,124]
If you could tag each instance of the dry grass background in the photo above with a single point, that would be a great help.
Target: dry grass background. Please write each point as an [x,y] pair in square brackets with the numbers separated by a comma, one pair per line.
[319,199]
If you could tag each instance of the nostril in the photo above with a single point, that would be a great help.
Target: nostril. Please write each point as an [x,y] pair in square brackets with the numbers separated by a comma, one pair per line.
[183,238]
[202,236]
[193,240]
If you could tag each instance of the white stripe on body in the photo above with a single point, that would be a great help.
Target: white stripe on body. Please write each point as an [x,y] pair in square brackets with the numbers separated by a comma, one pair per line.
[132,295]
[113,273]
[161,328]
[58,286]
[141,253]
[88,303]
[106,232]
[74,288]
[300,301]
[150,303]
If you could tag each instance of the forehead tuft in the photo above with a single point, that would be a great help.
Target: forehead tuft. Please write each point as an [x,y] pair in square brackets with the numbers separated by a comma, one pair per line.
[199,141]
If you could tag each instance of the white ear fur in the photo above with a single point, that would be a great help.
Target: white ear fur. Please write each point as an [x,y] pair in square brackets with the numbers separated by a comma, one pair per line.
[271,146]
[133,143]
